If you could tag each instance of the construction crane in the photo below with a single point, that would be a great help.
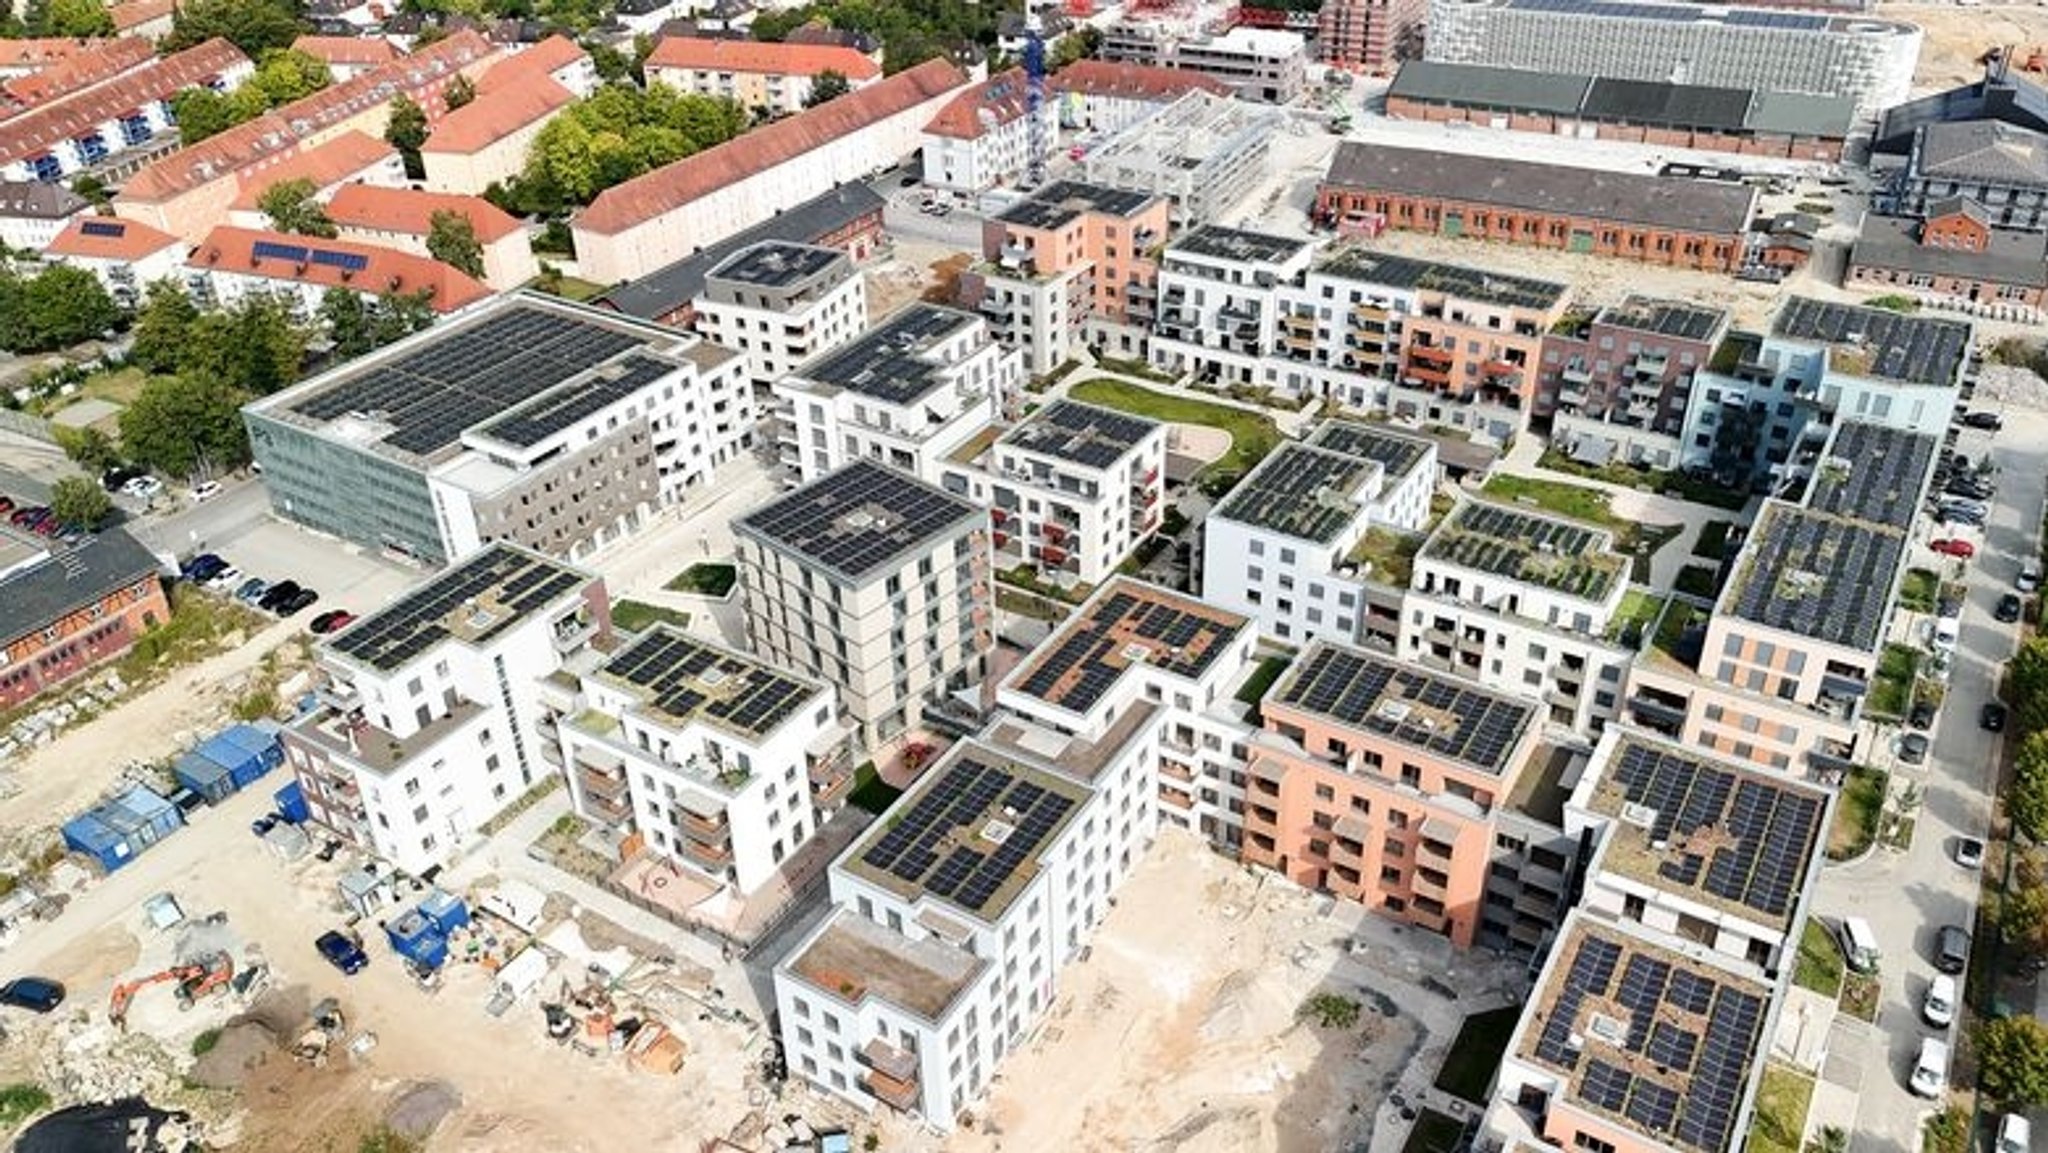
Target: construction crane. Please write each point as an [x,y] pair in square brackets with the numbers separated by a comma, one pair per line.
[1036,144]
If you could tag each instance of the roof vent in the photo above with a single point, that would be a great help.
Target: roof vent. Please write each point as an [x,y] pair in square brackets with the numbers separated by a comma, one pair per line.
[1608,1030]
[1135,653]
[1641,816]
[1394,711]
[996,832]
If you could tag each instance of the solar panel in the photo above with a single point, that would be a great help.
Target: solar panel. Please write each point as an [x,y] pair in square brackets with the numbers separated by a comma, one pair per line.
[346,261]
[113,228]
[855,519]
[273,250]
[1092,651]
[426,616]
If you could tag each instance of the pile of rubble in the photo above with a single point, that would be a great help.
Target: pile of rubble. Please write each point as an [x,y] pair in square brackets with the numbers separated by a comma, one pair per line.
[2010,385]
[42,726]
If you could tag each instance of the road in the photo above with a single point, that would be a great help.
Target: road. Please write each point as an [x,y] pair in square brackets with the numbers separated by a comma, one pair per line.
[1907,897]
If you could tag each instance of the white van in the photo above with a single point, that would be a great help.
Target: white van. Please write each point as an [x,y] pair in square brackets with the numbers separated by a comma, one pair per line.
[1859,944]
[1930,1071]
[2015,1134]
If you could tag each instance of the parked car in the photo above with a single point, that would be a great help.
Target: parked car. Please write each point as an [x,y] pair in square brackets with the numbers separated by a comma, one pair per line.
[118,478]
[143,487]
[225,579]
[1969,852]
[252,590]
[1922,715]
[1938,1007]
[291,605]
[1970,488]
[1952,949]
[1960,549]
[1930,1069]
[343,952]
[2008,609]
[1989,421]
[2015,1134]
[1913,748]
[2029,578]
[205,568]
[205,490]
[1992,718]
[36,994]
[279,593]
[6,504]
[333,621]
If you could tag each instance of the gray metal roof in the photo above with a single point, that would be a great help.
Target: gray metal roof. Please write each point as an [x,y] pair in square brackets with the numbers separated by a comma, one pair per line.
[71,578]
[1987,150]
[1892,242]
[1801,114]
[1479,86]
[1683,105]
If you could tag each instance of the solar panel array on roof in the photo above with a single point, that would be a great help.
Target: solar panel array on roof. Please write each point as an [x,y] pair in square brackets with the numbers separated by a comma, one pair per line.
[553,411]
[1758,834]
[1089,654]
[478,599]
[468,374]
[776,263]
[966,836]
[1874,474]
[1393,452]
[1062,200]
[113,228]
[681,676]
[1664,318]
[1819,576]
[1878,343]
[853,520]
[1237,244]
[1673,1047]
[1301,491]
[1678,13]
[1443,716]
[1556,554]
[887,362]
[1082,433]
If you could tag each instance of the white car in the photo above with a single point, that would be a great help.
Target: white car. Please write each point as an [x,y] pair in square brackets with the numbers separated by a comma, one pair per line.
[2029,580]
[1939,1006]
[1945,635]
[2015,1134]
[206,491]
[143,487]
[1930,1069]
[226,580]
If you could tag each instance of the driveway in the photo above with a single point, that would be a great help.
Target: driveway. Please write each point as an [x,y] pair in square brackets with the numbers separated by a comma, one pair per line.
[1907,897]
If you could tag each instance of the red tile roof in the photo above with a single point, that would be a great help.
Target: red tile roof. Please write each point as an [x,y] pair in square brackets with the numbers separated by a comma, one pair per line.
[645,197]
[280,131]
[107,60]
[1132,81]
[340,159]
[761,56]
[545,58]
[110,239]
[1000,99]
[347,49]
[135,13]
[39,129]
[496,114]
[388,271]
[412,212]
[16,55]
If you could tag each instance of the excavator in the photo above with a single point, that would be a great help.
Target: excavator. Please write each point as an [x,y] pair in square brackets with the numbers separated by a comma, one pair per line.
[208,976]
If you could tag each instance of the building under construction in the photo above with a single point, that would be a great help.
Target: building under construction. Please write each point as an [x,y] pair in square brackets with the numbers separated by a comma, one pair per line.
[1203,152]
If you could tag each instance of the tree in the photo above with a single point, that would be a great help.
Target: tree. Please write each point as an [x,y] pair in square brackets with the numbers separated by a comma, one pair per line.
[291,208]
[395,317]
[92,449]
[2026,802]
[73,18]
[1079,44]
[2023,919]
[615,134]
[79,501]
[460,91]
[288,74]
[179,424]
[2012,1061]
[2027,684]
[254,26]
[255,348]
[407,132]
[92,188]
[348,324]
[827,85]
[451,239]
[202,112]
[162,327]
[58,307]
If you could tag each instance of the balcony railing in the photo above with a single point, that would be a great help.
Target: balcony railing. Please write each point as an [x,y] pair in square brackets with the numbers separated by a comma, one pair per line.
[1176,798]
[887,1059]
[710,830]
[895,1093]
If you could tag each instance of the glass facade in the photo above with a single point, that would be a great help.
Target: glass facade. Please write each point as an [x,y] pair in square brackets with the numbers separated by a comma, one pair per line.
[344,489]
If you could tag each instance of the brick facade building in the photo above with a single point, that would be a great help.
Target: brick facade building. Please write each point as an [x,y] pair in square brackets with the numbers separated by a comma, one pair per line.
[66,608]
[1955,254]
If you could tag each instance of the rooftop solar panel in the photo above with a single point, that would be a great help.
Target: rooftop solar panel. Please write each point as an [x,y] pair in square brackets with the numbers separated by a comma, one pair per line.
[1302,491]
[888,362]
[476,600]
[1818,575]
[853,521]
[1082,433]
[1125,623]
[1445,716]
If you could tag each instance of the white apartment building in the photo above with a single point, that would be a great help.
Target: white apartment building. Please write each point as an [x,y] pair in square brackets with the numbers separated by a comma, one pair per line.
[908,393]
[779,304]
[1523,603]
[876,583]
[981,139]
[1292,545]
[1071,489]
[33,212]
[774,76]
[703,751]
[426,723]
[109,127]
[127,256]
[1219,300]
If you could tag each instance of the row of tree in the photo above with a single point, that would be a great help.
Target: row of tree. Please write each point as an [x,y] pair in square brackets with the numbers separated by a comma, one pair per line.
[285,75]
[56,308]
[910,34]
[56,18]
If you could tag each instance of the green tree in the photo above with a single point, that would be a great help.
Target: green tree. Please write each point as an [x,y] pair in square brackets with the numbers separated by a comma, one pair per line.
[2023,919]
[202,112]
[254,348]
[2026,802]
[254,26]
[291,208]
[288,74]
[407,132]
[460,91]
[611,64]
[451,239]
[1077,45]
[58,307]
[79,501]
[180,423]
[2027,684]
[827,85]
[396,317]
[162,327]
[92,449]
[92,188]
[348,324]
[75,18]
[615,134]
[2012,1061]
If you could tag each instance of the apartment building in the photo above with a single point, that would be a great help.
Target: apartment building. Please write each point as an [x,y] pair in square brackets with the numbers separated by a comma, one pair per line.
[1266,65]
[1218,314]
[703,752]
[1423,796]
[32,213]
[1615,383]
[981,139]
[2002,167]
[909,393]
[1107,97]
[1777,673]
[65,609]
[1656,219]
[1293,545]
[1203,152]
[92,61]
[1068,268]
[1071,489]
[1525,602]
[349,158]
[486,141]
[781,304]
[758,74]
[532,419]
[105,128]
[425,725]
[347,57]
[874,582]
[403,218]
[125,255]
[232,264]
[1371,36]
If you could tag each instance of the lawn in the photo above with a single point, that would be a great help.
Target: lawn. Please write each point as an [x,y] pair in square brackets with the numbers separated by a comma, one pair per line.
[1671,631]
[1713,542]
[870,792]
[711,580]
[1891,691]
[1434,1133]
[1856,814]
[1630,476]
[633,616]
[1820,960]
[568,287]
[1702,581]
[1473,1058]
[1252,435]
[1918,590]
[1391,555]
[1572,500]
[1781,1105]
[1639,608]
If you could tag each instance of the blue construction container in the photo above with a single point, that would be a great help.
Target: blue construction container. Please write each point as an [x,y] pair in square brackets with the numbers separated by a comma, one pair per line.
[243,764]
[261,739]
[291,804]
[212,781]
[115,832]
[414,937]
[446,910]
[88,834]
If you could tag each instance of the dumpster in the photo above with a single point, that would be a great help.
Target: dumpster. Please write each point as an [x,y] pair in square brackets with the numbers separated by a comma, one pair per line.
[210,779]
[291,804]
[415,938]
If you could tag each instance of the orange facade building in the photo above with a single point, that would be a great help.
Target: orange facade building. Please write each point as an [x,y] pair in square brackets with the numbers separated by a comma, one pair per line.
[66,608]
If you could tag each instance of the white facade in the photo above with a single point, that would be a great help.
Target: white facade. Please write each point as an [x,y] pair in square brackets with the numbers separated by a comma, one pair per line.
[994,155]
[90,127]
[32,214]
[1044,317]
[778,322]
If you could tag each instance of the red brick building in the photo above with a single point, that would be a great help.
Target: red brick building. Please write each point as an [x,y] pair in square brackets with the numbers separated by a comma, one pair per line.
[1955,254]
[65,608]
[1370,35]
[1657,220]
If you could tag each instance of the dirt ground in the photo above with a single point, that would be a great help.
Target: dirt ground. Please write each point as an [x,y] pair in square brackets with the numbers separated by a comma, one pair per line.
[1956,37]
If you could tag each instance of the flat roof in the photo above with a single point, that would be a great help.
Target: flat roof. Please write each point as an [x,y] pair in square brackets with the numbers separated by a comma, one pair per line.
[1215,240]
[1561,555]
[1876,342]
[472,602]
[1063,200]
[1085,434]
[852,522]
[1395,452]
[1301,491]
[1747,111]
[1650,1038]
[1126,623]
[1873,473]
[1659,317]
[777,263]
[1822,576]
[681,678]
[1893,242]
[36,594]
[1557,190]
[1655,102]
[1734,838]
[888,361]
[970,833]
[1676,13]
[1457,280]
[853,958]
[527,424]
[1439,714]
[416,398]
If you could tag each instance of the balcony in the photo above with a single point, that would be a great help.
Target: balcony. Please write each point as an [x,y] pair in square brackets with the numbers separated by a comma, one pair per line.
[1139,290]
[888,1060]
[602,782]
[1535,903]
[1176,770]
[714,830]
[710,858]
[1053,533]
[891,1091]
[339,695]
[1422,885]
[996,308]
[1426,375]
[572,633]
[610,810]
[1176,798]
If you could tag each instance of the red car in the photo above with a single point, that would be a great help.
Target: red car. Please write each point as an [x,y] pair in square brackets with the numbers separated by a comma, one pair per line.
[1955,548]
